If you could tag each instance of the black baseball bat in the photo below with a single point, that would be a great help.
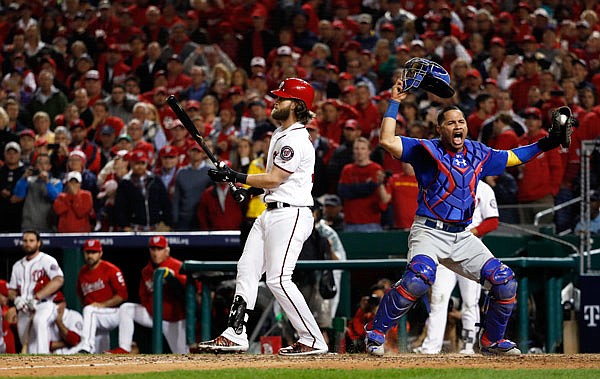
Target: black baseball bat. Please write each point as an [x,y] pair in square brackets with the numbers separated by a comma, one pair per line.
[188,124]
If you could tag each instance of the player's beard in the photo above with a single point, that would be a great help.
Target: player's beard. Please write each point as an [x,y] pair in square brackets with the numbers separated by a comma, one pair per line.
[28,250]
[281,114]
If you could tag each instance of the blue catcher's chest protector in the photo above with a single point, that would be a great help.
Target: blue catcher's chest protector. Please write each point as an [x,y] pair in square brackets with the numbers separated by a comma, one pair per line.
[448,186]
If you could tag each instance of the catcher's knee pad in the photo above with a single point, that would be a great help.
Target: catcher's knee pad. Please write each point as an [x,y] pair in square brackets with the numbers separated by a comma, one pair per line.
[415,282]
[501,279]
[501,299]
[237,315]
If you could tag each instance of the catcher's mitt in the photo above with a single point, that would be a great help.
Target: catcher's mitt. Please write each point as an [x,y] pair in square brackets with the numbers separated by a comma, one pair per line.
[562,126]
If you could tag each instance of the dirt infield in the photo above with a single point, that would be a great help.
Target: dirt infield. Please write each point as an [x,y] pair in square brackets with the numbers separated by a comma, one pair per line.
[34,366]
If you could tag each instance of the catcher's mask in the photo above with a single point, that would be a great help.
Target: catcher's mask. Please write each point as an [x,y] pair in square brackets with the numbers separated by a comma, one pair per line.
[423,73]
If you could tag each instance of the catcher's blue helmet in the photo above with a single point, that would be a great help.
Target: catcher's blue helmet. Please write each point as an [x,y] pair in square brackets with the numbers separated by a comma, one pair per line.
[423,73]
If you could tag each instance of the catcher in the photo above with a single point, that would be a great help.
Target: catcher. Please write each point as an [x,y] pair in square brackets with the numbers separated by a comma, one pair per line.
[447,170]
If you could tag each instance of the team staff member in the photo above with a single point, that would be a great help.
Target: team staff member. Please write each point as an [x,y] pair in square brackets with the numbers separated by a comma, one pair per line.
[277,236]
[447,170]
[485,220]
[173,303]
[101,289]
[34,285]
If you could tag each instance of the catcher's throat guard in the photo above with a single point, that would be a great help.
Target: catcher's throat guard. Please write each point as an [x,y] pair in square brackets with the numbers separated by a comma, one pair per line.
[423,73]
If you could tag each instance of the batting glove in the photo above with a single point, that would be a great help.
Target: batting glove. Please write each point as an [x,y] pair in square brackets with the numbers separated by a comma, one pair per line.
[20,303]
[32,304]
[226,174]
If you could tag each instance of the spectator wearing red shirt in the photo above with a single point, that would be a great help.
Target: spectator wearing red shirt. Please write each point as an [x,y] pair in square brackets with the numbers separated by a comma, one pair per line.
[504,137]
[369,118]
[217,210]
[173,305]
[519,89]
[73,206]
[101,289]
[484,105]
[363,191]
[404,190]
[539,180]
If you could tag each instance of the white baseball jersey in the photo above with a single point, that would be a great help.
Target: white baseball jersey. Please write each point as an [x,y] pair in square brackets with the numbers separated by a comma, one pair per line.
[26,273]
[277,236]
[291,150]
[485,204]
[74,322]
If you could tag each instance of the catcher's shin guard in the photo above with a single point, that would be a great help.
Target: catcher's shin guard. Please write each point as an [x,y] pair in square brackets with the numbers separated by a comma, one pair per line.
[237,315]
[415,282]
[500,300]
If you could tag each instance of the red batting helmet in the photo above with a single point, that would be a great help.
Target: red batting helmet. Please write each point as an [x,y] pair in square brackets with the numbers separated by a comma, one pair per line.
[294,88]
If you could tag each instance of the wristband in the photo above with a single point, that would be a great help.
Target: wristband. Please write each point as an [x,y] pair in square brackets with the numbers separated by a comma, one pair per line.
[241,177]
[392,109]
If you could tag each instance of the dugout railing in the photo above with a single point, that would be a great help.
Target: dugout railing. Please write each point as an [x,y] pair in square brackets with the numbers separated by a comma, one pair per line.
[553,286]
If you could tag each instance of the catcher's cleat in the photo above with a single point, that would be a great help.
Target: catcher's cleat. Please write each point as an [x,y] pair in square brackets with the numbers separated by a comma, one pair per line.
[467,352]
[297,349]
[218,345]
[500,347]
[116,350]
[374,342]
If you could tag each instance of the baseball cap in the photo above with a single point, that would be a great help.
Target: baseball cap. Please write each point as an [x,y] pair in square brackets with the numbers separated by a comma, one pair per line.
[388,27]
[124,136]
[344,76]
[167,151]
[473,73]
[92,245]
[351,124]
[27,132]
[174,57]
[541,12]
[195,146]
[259,11]
[497,41]
[258,61]
[74,175]
[107,130]
[364,18]
[284,50]
[158,241]
[332,200]
[235,90]
[92,75]
[532,111]
[139,156]
[417,42]
[79,154]
[12,145]
[159,73]
[104,4]
[491,81]
[192,104]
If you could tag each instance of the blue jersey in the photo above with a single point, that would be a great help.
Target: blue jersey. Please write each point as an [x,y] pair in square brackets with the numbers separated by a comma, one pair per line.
[448,180]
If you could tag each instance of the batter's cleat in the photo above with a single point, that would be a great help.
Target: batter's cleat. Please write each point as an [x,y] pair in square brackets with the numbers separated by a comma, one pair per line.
[374,342]
[467,352]
[116,350]
[218,345]
[297,349]
[500,347]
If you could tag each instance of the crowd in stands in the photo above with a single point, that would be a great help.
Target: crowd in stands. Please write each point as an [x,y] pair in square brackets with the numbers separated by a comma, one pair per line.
[88,143]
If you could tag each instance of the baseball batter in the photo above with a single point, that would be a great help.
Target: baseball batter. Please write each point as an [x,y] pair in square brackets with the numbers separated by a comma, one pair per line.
[277,236]
[34,285]
[173,303]
[447,171]
[101,289]
[485,219]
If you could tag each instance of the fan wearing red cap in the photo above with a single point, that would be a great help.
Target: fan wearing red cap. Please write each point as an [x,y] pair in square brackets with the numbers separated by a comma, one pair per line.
[142,202]
[35,294]
[101,289]
[173,305]
[73,205]
[167,166]
[288,221]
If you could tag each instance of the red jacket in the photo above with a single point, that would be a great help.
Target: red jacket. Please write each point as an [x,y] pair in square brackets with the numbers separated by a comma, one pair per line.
[73,211]
[212,217]
[519,90]
[173,299]
[359,209]
[405,191]
[540,176]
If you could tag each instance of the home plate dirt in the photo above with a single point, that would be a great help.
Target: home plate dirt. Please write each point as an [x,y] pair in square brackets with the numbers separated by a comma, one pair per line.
[64,365]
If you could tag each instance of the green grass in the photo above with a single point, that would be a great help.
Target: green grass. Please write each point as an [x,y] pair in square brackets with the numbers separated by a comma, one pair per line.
[246,373]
